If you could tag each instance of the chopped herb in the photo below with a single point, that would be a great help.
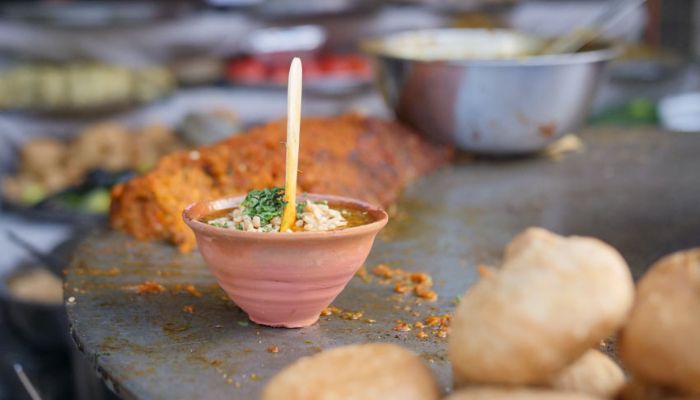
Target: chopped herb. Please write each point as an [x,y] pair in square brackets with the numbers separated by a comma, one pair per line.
[300,208]
[265,203]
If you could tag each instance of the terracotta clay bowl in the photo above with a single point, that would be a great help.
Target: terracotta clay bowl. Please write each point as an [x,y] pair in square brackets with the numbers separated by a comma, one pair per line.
[283,279]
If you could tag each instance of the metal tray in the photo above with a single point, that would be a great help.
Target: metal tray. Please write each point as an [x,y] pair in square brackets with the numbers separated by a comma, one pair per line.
[637,190]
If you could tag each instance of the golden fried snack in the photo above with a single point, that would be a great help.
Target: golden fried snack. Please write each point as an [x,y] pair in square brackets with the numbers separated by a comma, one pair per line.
[594,373]
[378,371]
[105,145]
[40,156]
[353,156]
[553,299]
[493,393]
[638,390]
[150,143]
[661,341]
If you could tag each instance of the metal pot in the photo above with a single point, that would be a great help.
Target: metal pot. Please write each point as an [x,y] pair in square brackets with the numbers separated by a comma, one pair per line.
[481,91]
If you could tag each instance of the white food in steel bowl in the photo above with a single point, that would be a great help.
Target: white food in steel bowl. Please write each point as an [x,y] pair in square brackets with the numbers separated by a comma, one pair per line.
[483,90]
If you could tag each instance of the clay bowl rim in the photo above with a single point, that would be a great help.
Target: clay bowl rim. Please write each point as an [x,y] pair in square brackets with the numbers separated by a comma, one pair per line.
[221,203]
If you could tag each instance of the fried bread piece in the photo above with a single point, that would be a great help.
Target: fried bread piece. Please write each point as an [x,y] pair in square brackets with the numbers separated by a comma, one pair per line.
[351,155]
[375,371]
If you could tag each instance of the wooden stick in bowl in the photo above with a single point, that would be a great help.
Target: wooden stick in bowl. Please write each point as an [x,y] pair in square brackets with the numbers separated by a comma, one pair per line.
[293,127]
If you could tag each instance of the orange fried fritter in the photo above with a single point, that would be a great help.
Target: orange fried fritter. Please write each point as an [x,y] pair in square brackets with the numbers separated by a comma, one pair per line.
[353,156]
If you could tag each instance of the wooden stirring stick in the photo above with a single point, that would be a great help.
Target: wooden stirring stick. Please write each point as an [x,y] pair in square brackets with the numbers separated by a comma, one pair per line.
[289,216]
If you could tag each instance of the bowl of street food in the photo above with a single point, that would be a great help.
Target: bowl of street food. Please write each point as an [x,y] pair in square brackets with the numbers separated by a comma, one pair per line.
[284,277]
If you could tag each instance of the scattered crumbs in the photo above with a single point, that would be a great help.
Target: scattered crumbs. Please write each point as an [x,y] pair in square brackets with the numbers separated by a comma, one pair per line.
[362,274]
[418,325]
[424,292]
[273,349]
[401,288]
[189,309]
[370,321]
[343,314]
[243,323]
[308,342]
[421,335]
[217,326]
[383,271]
[229,381]
[193,291]
[351,315]
[567,144]
[71,300]
[402,327]
[418,283]
[237,385]
[254,377]
[150,287]
[216,362]
[421,277]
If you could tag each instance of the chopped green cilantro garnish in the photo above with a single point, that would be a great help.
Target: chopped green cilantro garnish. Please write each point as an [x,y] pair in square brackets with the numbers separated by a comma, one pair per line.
[265,203]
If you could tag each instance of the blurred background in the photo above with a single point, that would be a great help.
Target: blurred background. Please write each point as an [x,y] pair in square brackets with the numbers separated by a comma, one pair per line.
[93,92]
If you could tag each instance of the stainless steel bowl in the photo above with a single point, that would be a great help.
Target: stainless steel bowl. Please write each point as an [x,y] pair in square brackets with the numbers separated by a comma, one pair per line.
[481,91]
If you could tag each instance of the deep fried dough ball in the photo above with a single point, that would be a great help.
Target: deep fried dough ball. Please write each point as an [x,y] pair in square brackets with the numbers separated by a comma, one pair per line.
[40,156]
[486,393]
[638,390]
[358,372]
[105,145]
[594,373]
[553,299]
[152,142]
[661,342]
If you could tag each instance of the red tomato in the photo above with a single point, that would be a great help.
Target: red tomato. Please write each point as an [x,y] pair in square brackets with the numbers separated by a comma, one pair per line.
[247,69]
[345,65]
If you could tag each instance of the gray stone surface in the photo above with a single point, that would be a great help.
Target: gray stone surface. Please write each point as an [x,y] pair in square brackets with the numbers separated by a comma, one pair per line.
[637,189]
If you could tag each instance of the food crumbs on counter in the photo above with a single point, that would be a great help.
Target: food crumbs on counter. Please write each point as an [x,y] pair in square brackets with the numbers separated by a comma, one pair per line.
[567,144]
[362,274]
[229,381]
[273,349]
[421,335]
[237,385]
[189,309]
[420,283]
[383,271]
[193,291]
[351,315]
[425,293]
[150,287]
[71,300]
[420,277]
[216,362]
[402,327]
[370,321]
[254,377]
[401,288]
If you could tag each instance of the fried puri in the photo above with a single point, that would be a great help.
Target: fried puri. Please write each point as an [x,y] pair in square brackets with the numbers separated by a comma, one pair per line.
[594,373]
[484,393]
[363,372]
[661,342]
[553,299]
